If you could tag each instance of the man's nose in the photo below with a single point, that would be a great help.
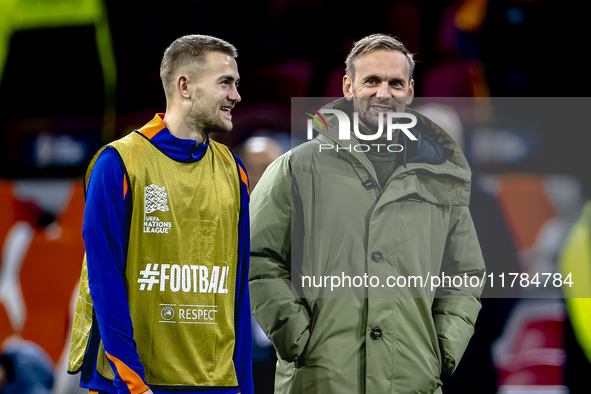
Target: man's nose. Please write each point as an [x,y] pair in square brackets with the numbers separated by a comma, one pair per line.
[383,90]
[234,95]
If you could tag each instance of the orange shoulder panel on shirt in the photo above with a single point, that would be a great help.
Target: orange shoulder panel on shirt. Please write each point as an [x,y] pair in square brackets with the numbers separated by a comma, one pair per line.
[134,383]
[124,186]
[152,128]
[244,178]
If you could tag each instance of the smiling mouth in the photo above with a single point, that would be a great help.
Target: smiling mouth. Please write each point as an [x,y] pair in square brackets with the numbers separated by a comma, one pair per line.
[382,109]
[227,110]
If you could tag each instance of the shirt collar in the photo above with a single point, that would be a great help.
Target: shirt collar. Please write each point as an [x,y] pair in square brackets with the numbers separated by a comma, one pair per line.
[179,149]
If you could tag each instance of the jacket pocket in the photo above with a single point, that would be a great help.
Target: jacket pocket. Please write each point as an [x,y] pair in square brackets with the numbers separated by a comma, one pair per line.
[437,348]
[301,360]
[439,352]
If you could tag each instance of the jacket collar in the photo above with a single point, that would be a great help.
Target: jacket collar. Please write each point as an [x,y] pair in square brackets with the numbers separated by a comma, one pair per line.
[434,153]
[433,146]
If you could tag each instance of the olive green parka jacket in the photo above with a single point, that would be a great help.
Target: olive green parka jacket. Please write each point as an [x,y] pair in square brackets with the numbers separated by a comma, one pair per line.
[318,213]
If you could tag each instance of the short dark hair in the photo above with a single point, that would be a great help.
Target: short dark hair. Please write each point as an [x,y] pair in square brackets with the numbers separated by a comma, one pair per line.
[190,48]
[374,42]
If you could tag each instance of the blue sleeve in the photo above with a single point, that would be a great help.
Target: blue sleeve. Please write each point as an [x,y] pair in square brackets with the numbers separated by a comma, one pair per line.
[107,218]
[243,350]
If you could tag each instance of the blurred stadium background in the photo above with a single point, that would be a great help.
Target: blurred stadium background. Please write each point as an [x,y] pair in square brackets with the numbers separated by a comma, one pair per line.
[76,74]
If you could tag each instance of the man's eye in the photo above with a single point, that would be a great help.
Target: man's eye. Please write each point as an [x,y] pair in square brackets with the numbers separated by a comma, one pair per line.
[371,81]
[395,83]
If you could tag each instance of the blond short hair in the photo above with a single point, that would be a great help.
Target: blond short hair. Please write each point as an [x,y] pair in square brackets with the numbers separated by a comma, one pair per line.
[374,42]
[188,49]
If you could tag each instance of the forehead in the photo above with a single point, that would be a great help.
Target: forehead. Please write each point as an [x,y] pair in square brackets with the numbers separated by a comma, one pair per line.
[383,62]
[215,64]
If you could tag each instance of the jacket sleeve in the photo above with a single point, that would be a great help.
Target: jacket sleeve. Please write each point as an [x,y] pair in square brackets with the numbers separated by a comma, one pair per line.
[455,309]
[243,349]
[283,317]
[106,233]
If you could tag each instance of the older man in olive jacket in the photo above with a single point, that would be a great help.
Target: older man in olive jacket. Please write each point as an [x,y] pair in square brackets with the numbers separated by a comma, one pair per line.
[346,212]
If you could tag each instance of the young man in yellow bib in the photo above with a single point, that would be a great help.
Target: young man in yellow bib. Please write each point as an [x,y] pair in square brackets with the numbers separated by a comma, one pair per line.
[163,304]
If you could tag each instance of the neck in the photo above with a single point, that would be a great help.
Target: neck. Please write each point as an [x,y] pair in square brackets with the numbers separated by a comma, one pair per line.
[179,126]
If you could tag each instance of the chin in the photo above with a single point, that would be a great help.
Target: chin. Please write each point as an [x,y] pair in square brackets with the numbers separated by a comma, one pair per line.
[372,122]
[218,127]
[224,127]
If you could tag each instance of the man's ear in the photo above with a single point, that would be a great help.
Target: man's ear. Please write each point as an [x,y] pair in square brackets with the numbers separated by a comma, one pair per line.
[348,87]
[411,92]
[182,86]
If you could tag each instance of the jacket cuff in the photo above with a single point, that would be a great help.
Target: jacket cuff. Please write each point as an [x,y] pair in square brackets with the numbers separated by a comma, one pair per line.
[449,364]
[291,339]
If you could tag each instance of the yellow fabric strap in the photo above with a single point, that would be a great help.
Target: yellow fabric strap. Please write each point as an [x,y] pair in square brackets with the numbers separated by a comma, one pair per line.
[575,260]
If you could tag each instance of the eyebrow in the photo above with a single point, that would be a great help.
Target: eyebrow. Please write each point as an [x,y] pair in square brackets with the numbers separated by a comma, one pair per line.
[376,76]
[228,77]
